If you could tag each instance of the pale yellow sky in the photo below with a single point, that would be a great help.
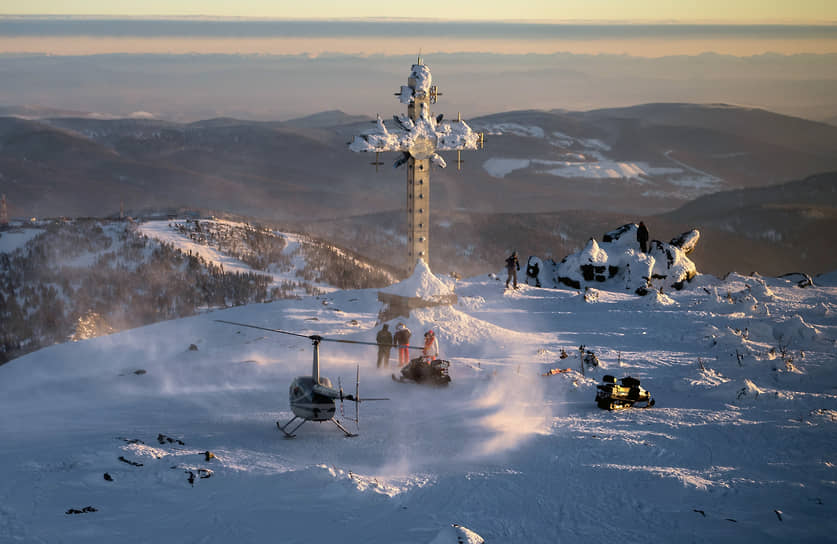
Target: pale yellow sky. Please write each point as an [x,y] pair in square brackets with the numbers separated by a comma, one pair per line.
[649,47]
[735,11]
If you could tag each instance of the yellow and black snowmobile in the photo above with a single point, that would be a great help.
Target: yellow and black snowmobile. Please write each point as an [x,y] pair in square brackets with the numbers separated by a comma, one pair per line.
[626,394]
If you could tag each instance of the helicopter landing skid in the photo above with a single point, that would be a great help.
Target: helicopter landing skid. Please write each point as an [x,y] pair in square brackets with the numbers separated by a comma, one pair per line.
[283,428]
[290,433]
[342,428]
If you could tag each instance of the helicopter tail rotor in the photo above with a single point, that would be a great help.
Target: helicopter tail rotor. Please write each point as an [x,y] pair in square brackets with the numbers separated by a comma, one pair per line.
[356,399]
[340,388]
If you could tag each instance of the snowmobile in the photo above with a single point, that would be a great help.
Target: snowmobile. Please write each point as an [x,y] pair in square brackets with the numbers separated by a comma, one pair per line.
[420,370]
[610,396]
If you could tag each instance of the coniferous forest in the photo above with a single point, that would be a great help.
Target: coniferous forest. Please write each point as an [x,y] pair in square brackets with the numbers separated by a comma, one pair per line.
[82,278]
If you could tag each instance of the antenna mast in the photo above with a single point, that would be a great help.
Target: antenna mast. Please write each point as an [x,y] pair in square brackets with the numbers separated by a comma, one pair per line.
[315,367]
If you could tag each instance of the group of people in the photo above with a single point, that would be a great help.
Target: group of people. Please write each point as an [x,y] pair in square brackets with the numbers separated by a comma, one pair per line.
[430,352]
[401,340]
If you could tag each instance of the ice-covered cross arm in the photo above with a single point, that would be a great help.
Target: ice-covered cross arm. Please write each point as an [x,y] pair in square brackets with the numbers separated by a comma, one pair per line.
[421,138]
[418,134]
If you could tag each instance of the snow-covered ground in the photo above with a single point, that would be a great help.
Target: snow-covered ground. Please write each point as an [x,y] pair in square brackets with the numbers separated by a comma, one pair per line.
[740,447]
[10,240]
[585,158]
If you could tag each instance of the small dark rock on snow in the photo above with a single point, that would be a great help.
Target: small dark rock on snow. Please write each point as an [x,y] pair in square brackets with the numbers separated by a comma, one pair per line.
[84,510]
[132,463]
[162,439]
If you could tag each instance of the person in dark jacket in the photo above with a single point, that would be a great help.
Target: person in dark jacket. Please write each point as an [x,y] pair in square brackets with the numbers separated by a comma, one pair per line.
[512,266]
[384,340]
[642,237]
[402,340]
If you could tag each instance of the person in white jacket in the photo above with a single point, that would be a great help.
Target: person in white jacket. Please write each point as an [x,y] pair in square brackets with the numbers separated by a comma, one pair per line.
[431,346]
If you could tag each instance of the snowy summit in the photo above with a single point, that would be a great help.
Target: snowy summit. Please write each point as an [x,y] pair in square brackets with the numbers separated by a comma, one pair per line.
[168,432]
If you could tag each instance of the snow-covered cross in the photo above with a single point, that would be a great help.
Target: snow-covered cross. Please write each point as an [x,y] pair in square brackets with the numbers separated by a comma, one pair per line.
[418,136]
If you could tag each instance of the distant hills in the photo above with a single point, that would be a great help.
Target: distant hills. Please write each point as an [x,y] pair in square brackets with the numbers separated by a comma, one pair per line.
[771,230]
[581,171]
[36,112]
[753,124]
[831,121]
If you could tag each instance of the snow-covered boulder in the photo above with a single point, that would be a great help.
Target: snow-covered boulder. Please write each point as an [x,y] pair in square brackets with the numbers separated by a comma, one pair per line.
[619,234]
[794,331]
[759,289]
[686,241]
[730,302]
[658,299]
[457,534]
[618,263]
[749,391]
[801,279]
[539,273]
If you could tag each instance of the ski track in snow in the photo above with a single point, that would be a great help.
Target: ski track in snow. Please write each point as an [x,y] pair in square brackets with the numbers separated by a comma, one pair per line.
[510,454]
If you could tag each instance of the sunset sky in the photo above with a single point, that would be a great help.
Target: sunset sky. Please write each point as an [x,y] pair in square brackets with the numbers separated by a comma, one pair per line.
[190,59]
[739,11]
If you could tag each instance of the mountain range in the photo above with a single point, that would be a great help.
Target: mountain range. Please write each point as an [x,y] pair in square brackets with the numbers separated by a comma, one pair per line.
[545,182]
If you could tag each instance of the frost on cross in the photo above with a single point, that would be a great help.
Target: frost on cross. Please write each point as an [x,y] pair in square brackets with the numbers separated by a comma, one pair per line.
[420,135]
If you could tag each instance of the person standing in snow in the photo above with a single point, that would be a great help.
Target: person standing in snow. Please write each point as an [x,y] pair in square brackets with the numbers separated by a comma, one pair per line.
[402,340]
[512,266]
[431,346]
[642,237]
[384,340]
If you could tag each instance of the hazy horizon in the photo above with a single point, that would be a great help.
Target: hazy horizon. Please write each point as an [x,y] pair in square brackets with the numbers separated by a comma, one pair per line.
[190,68]
[56,35]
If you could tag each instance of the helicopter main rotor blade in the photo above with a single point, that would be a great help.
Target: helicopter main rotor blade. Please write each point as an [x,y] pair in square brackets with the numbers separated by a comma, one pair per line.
[349,341]
[316,336]
[264,328]
[369,343]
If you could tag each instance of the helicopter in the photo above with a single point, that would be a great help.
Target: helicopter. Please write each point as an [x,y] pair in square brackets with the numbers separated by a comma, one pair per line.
[312,398]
